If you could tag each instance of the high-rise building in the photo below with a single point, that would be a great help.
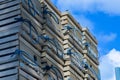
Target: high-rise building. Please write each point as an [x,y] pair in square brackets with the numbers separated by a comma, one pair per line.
[117,73]
[38,42]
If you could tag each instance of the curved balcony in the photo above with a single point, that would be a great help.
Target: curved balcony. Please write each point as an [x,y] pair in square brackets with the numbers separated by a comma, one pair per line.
[92,72]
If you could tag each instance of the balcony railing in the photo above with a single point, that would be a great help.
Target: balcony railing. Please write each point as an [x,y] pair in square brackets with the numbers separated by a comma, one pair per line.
[28,59]
[76,58]
[92,53]
[57,75]
[46,11]
[97,75]
[31,7]
[55,45]
[73,33]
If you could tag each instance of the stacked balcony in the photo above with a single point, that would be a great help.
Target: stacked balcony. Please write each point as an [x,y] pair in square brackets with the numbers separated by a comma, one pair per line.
[9,42]
[74,66]
[91,54]
[38,42]
[52,50]
[19,59]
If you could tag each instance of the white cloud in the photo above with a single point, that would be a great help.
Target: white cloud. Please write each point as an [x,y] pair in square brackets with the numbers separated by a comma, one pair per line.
[108,63]
[106,6]
[105,38]
[109,6]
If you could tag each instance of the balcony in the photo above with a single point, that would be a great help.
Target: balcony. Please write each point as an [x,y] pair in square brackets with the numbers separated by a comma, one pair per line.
[92,72]
[92,55]
[76,59]
[74,35]
[96,74]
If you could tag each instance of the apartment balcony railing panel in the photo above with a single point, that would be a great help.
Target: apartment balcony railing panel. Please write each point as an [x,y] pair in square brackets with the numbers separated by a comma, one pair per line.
[55,28]
[74,38]
[30,9]
[59,56]
[78,63]
[35,54]
[75,61]
[51,33]
[28,39]
[36,22]
[33,7]
[54,43]
[77,35]
[50,61]
[52,19]
[27,63]
[70,73]
[32,70]
[92,56]
[93,72]
[76,43]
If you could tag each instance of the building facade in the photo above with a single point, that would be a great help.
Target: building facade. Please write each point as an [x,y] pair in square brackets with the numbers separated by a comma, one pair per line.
[117,73]
[38,42]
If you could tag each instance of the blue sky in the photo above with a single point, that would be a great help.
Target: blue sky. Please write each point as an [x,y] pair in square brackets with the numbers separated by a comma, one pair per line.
[102,17]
